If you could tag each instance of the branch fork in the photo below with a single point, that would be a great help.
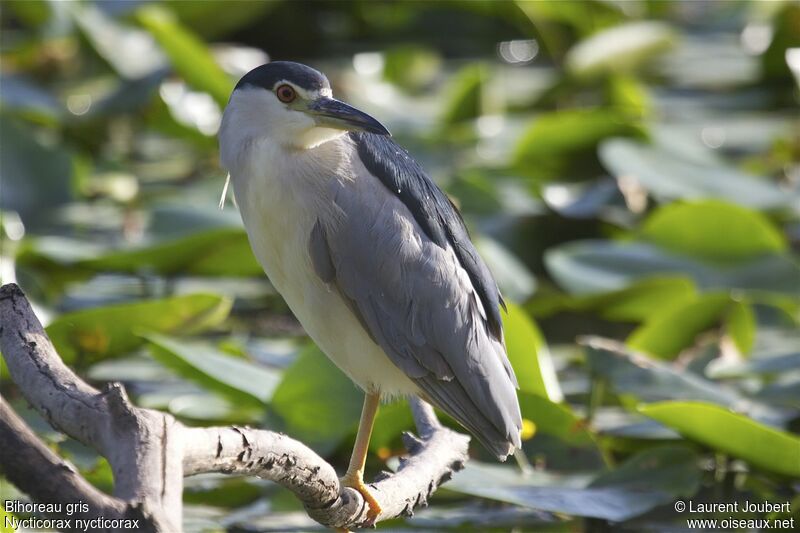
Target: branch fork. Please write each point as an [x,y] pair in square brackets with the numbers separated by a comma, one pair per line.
[150,452]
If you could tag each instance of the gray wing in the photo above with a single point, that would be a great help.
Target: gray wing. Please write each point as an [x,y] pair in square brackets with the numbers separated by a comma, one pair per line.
[419,304]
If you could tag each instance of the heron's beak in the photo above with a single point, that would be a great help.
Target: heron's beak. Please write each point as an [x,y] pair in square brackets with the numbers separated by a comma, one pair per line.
[331,113]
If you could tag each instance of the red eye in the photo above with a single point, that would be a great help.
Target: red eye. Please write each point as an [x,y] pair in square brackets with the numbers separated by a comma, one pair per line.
[285,93]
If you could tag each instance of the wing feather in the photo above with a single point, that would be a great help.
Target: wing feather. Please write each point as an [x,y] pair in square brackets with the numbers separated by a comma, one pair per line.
[420,303]
[433,211]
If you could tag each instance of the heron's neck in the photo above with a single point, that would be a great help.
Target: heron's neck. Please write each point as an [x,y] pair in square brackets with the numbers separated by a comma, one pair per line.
[315,137]
[264,164]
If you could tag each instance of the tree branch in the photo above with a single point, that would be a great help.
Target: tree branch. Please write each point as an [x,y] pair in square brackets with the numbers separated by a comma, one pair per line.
[35,469]
[150,452]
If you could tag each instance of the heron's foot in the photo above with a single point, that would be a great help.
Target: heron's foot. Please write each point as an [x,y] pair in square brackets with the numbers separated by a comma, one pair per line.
[355,480]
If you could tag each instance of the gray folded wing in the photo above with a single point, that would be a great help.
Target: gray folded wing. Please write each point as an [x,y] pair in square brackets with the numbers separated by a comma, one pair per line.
[419,303]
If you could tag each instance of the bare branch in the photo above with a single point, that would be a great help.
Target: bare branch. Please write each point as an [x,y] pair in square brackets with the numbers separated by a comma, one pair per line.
[150,452]
[147,465]
[68,403]
[434,458]
[269,455]
[35,469]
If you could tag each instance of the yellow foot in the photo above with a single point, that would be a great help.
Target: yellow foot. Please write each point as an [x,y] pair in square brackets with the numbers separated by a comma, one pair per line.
[356,481]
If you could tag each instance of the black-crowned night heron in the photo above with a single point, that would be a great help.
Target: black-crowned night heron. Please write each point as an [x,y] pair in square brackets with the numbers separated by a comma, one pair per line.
[369,254]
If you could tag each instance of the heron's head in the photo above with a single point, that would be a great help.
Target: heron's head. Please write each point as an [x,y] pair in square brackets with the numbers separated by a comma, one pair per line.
[292,105]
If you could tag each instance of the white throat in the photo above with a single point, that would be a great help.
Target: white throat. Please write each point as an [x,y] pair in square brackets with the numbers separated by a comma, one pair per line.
[317,136]
[256,115]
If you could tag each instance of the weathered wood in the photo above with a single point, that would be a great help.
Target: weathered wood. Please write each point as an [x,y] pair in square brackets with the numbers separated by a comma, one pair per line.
[150,452]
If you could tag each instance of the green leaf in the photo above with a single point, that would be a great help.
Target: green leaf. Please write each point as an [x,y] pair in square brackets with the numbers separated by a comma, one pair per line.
[37,177]
[628,94]
[592,266]
[772,365]
[635,303]
[223,491]
[393,418]
[741,326]
[512,275]
[554,140]
[112,41]
[134,368]
[622,48]
[210,408]
[23,98]
[6,518]
[465,95]
[189,55]
[529,355]
[775,66]
[411,66]
[318,404]
[235,378]
[585,17]
[703,228]
[221,251]
[33,13]
[652,478]
[636,378]
[214,19]
[655,467]
[776,353]
[728,432]
[666,333]
[215,252]
[555,419]
[110,331]
[670,174]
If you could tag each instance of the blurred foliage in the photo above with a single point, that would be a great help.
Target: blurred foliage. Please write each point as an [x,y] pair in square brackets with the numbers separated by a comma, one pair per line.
[629,170]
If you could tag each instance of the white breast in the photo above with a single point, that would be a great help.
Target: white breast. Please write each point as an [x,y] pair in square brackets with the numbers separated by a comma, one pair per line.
[280,196]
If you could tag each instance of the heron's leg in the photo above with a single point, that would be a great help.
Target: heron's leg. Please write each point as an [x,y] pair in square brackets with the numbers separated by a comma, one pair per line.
[354,477]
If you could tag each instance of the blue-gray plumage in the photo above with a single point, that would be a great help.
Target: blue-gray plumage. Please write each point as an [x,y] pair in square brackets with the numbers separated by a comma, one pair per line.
[414,305]
[370,255]
[432,210]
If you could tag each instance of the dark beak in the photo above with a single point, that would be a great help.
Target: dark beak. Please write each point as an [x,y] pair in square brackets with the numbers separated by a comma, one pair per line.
[332,113]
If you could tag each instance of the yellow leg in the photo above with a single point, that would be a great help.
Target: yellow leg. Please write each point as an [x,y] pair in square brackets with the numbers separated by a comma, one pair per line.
[354,477]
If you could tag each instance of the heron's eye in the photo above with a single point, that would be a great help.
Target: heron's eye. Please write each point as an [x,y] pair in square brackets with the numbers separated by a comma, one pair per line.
[286,93]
